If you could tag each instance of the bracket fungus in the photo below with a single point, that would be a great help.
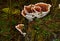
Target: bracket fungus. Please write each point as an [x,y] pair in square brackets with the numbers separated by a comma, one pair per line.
[59,6]
[37,10]
[19,27]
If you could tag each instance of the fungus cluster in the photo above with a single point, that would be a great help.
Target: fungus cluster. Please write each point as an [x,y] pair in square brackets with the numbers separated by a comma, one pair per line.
[31,11]
[37,10]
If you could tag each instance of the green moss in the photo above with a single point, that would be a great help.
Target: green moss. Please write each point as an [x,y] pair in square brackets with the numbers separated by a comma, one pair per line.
[56,40]
[13,11]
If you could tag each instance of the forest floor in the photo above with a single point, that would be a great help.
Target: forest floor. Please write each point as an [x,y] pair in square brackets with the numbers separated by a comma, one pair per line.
[49,25]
